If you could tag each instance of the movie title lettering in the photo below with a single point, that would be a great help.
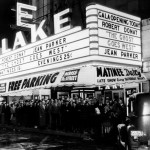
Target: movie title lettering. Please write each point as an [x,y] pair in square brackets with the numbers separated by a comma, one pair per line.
[4,65]
[114,44]
[36,56]
[109,25]
[129,55]
[128,47]
[119,36]
[17,62]
[12,57]
[126,38]
[55,43]
[6,59]
[57,50]
[111,52]
[112,35]
[38,49]
[130,31]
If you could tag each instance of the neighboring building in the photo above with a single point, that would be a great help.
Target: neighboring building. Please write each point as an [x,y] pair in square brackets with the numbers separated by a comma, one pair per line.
[146,50]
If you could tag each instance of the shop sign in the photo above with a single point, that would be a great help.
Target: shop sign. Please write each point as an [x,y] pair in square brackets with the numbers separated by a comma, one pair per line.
[70,76]
[33,82]
[114,75]
[47,53]
[24,15]
[2,87]
[114,86]
[130,91]
[119,34]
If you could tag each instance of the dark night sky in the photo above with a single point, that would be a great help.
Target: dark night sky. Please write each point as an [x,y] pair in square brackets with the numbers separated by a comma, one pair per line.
[7,17]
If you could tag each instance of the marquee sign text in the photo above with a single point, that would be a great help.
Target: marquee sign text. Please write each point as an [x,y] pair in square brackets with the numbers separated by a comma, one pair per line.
[112,75]
[32,82]
[119,36]
[36,31]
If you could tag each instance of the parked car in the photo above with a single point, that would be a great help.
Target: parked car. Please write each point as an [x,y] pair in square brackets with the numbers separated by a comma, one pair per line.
[134,134]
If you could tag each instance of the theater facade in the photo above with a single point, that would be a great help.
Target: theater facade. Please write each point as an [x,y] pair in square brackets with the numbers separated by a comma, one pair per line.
[103,60]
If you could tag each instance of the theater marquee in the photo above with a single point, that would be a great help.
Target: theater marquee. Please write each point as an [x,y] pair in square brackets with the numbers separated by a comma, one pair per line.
[110,37]
[82,76]
[119,35]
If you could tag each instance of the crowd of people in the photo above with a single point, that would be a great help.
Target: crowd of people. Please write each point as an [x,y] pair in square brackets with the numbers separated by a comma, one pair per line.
[71,115]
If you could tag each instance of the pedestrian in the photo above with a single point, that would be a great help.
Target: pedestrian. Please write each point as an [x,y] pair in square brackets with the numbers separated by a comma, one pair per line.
[13,113]
[47,113]
[122,112]
[7,114]
[99,118]
[73,114]
[42,117]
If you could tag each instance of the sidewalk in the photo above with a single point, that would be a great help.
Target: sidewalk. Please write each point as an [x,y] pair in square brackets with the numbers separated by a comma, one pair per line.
[85,138]
[44,131]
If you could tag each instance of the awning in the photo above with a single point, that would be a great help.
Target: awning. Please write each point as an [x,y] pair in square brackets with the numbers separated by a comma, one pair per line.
[18,93]
[92,76]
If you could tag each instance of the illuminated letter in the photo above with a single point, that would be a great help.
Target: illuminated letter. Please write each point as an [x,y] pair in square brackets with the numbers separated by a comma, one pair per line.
[107,87]
[58,21]
[20,40]
[5,48]
[114,86]
[24,15]
[37,32]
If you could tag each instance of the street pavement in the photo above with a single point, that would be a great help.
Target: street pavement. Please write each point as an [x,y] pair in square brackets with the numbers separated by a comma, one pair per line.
[15,139]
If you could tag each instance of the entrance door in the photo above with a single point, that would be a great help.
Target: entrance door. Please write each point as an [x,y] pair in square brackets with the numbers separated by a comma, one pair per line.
[108,95]
[117,94]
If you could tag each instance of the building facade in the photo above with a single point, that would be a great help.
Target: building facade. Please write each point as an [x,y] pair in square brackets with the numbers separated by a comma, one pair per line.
[94,53]
[145,51]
